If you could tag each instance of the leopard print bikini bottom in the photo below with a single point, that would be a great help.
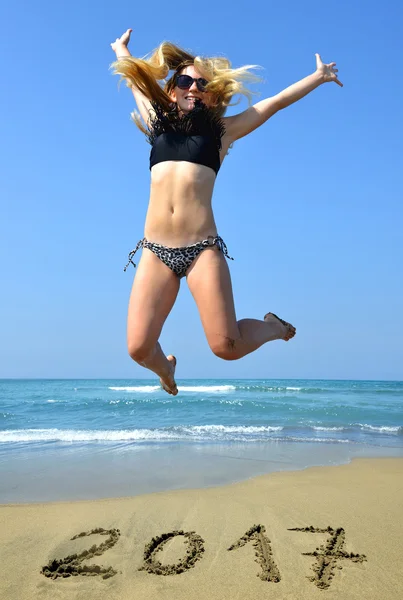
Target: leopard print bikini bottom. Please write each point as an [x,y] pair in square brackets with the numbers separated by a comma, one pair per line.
[179,259]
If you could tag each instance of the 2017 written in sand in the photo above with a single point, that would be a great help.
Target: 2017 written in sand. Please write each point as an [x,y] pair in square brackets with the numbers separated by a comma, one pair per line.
[328,557]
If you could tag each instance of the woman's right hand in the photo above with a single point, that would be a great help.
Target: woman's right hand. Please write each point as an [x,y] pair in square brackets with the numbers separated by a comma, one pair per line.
[122,41]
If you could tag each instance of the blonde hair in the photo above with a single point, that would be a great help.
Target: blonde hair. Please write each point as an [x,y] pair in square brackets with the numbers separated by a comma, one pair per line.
[145,73]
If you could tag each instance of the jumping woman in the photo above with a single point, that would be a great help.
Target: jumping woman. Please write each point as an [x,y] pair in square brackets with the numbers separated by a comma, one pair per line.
[184,123]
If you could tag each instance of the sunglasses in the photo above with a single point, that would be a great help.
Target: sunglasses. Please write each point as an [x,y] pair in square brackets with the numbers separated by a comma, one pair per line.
[184,82]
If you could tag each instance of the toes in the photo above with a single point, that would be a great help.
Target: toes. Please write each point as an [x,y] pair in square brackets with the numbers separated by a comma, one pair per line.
[290,329]
[171,392]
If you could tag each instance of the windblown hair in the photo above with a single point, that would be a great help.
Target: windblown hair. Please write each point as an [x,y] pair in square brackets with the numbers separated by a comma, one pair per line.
[146,73]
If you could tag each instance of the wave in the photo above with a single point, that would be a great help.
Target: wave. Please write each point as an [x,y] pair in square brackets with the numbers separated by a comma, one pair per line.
[181,388]
[208,433]
[316,439]
[361,427]
[206,388]
[212,432]
[70,435]
[224,433]
[173,433]
[319,428]
[136,388]
[363,388]
[276,388]
[233,428]
[381,428]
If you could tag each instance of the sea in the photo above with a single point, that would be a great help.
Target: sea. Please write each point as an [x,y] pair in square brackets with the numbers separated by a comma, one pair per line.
[96,438]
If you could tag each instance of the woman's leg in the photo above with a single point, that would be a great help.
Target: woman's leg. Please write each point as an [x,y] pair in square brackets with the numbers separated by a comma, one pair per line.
[210,284]
[154,292]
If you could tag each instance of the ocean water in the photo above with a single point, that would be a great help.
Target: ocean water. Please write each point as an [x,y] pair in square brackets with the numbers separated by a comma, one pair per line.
[71,427]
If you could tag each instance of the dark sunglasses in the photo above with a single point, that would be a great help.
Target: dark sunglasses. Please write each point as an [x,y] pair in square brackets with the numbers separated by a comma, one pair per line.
[184,82]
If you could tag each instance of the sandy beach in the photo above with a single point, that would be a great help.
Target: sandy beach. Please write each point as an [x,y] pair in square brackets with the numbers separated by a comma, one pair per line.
[333,532]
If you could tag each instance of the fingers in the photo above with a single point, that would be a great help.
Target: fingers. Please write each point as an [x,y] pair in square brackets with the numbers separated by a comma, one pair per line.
[334,73]
[329,70]
[330,65]
[125,37]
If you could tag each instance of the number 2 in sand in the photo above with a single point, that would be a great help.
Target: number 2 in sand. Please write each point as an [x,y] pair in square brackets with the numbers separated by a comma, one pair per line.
[71,565]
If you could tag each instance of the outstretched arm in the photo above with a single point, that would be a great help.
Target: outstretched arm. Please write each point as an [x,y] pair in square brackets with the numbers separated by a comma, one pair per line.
[240,125]
[120,45]
[121,50]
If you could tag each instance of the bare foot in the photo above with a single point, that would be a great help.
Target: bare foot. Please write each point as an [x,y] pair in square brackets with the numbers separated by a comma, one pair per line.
[288,329]
[168,383]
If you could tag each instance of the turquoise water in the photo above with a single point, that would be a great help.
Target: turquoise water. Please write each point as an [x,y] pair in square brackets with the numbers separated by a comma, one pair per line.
[102,411]
[123,426]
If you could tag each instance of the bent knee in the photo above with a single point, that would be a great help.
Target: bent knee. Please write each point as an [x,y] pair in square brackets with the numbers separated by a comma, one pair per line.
[139,351]
[225,348]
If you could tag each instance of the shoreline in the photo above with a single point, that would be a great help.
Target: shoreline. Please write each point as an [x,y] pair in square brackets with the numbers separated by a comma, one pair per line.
[275,518]
[252,478]
[40,475]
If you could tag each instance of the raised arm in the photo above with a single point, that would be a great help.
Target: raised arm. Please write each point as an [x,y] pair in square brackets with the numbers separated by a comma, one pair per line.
[240,125]
[121,50]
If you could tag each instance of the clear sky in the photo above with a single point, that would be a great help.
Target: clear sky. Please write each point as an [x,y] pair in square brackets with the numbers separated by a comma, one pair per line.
[310,204]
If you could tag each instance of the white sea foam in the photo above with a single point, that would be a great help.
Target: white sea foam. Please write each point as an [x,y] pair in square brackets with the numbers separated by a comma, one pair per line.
[136,388]
[328,428]
[233,402]
[206,388]
[382,429]
[231,429]
[315,440]
[176,433]
[67,435]
[278,389]
[181,388]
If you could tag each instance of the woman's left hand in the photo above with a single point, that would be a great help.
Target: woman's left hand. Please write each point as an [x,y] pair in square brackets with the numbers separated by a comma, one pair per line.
[328,72]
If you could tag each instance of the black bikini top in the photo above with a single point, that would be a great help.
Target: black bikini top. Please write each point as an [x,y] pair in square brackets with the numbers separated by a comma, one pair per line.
[194,137]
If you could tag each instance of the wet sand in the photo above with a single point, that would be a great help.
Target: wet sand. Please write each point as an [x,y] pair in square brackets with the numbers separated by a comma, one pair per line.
[324,532]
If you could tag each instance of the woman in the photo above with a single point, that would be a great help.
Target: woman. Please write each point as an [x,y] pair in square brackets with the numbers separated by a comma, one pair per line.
[190,138]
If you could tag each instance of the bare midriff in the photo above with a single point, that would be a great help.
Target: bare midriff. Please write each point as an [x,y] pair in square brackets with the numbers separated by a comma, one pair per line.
[180,207]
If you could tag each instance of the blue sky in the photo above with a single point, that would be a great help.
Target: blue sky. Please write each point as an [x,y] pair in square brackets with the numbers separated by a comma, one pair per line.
[310,205]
